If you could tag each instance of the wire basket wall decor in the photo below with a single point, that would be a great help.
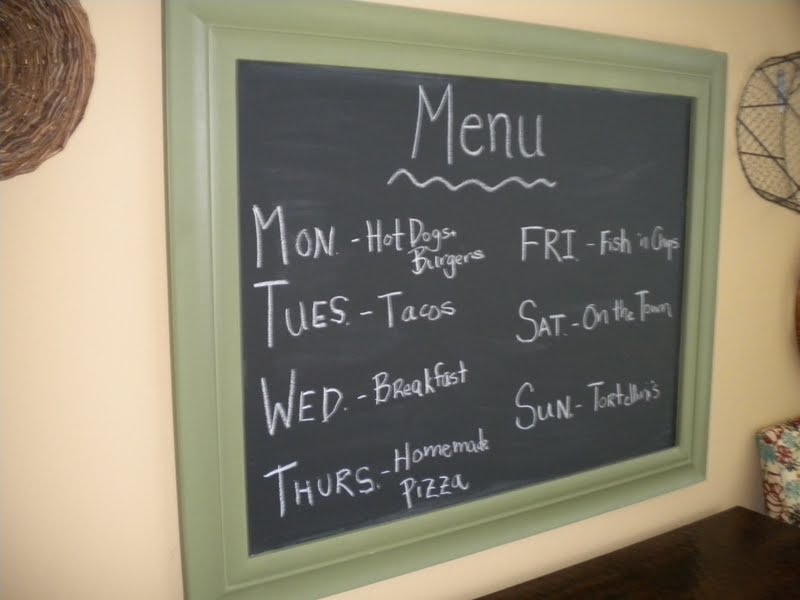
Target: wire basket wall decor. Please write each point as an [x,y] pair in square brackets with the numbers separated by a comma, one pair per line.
[768,130]
[47,59]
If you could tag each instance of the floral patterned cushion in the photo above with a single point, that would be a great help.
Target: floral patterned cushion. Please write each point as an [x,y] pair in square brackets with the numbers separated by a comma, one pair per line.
[779,450]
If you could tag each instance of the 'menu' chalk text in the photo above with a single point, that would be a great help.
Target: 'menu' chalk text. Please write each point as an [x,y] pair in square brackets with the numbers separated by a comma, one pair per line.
[477,135]
[491,125]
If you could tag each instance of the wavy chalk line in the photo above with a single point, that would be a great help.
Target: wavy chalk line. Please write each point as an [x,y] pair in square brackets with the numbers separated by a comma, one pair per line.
[453,188]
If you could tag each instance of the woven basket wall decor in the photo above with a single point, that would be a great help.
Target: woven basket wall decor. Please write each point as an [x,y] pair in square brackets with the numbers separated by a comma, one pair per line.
[47,59]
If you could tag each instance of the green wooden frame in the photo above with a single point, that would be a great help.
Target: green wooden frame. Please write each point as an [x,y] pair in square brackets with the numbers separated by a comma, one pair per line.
[204,38]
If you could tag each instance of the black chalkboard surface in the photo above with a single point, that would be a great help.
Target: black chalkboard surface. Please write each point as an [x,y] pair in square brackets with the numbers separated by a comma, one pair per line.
[451,287]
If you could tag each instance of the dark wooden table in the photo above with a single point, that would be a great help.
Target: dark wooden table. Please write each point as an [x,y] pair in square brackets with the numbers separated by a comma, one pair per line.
[737,554]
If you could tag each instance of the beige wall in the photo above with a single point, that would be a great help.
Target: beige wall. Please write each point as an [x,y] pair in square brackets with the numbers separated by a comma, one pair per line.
[88,506]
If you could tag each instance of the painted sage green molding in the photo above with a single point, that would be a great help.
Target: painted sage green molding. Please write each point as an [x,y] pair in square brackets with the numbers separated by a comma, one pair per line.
[203,39]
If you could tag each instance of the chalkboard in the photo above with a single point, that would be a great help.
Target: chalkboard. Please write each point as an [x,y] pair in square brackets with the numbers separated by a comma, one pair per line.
[537,211]
[451,287]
